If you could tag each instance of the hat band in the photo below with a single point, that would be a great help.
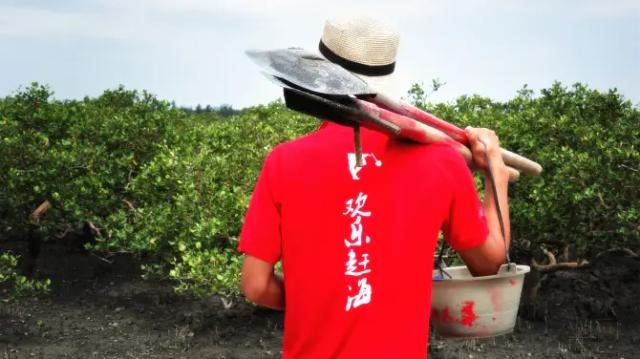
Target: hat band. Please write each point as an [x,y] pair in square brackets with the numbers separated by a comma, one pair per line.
[362,69]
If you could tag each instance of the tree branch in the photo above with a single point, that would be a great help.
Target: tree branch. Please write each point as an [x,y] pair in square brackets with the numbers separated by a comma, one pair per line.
[128,204]
[95,230]
[553,264]
[40,210]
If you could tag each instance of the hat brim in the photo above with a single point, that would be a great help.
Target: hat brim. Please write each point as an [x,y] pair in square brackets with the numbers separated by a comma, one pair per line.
[388,85]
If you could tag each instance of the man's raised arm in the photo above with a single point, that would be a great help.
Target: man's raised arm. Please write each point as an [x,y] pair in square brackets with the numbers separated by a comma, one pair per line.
[487,258]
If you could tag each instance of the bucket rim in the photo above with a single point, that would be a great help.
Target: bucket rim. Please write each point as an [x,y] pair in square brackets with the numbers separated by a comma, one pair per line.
[521,269]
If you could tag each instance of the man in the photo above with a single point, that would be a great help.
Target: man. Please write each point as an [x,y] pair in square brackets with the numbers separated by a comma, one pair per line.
[357,243]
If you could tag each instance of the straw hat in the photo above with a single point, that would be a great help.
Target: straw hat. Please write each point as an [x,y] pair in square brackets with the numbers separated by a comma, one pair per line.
[367,47]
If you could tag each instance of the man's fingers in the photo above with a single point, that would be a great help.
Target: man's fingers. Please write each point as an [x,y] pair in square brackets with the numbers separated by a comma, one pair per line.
[472,136]
[483,142]
[483,138]
[471,133]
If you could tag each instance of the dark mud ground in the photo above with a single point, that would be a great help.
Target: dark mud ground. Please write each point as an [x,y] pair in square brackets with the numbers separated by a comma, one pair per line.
[97,310]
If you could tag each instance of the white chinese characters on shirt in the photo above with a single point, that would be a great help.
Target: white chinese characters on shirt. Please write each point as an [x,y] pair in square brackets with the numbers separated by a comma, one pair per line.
[357,264]
[357,268]
[354,168]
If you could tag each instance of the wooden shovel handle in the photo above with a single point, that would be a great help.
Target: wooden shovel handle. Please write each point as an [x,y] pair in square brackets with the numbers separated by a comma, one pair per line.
[514,174]
[520,162]
[421,133]
[510,158]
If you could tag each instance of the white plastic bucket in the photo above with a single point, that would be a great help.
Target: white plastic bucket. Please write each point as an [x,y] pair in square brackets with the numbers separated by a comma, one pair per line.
[464,306]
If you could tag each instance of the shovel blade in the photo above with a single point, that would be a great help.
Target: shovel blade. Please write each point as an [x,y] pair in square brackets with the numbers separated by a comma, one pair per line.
[340,109]
[297,101]
[310,71]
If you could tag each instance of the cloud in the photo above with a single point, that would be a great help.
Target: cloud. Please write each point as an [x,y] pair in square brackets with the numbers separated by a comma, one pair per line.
[36,22]
[180,48]
[144,19]
[253,7]
[617,9]
[284,10]
[124,19]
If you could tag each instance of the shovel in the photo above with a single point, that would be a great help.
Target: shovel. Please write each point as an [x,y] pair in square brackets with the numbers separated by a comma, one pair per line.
[314,74]
[317,87]
[354,112]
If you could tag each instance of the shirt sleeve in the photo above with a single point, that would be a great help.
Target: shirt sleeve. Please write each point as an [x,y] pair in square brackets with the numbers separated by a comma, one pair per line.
[466,226]
[260,235]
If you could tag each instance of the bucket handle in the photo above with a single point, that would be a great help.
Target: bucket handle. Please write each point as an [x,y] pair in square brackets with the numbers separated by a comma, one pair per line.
[498,209]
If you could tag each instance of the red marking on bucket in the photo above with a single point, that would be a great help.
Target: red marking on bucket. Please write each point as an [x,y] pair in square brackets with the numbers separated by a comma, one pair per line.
[468,315]
[446,317]
[493,318]
[512,281]
[496,299]
[434,313]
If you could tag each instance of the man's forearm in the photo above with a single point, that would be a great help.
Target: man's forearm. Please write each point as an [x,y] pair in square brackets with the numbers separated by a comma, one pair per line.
[260,284]
[273,295]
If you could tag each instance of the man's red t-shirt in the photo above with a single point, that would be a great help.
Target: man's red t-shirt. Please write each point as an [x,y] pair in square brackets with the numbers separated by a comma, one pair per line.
[357,244]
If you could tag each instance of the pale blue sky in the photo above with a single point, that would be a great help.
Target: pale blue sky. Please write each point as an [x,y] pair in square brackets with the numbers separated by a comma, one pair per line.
[192,51]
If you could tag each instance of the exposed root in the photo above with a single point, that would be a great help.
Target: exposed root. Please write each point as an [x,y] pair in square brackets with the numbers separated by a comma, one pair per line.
[40,210]
[631,253]
[101,258]
[565,254]
[64,234]
[626,251]
[92,227]
[533,292]
[128,204]
[227,303]
[553,264]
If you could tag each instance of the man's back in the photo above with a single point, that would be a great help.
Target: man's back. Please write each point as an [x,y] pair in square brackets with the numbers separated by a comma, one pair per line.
[357,244]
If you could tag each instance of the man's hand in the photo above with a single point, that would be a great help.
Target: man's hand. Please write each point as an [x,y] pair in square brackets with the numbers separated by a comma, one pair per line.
[485,148]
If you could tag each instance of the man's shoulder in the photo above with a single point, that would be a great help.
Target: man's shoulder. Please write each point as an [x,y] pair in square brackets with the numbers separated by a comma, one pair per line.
[320,139]
[305,140]
[437,154]
[336,139]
